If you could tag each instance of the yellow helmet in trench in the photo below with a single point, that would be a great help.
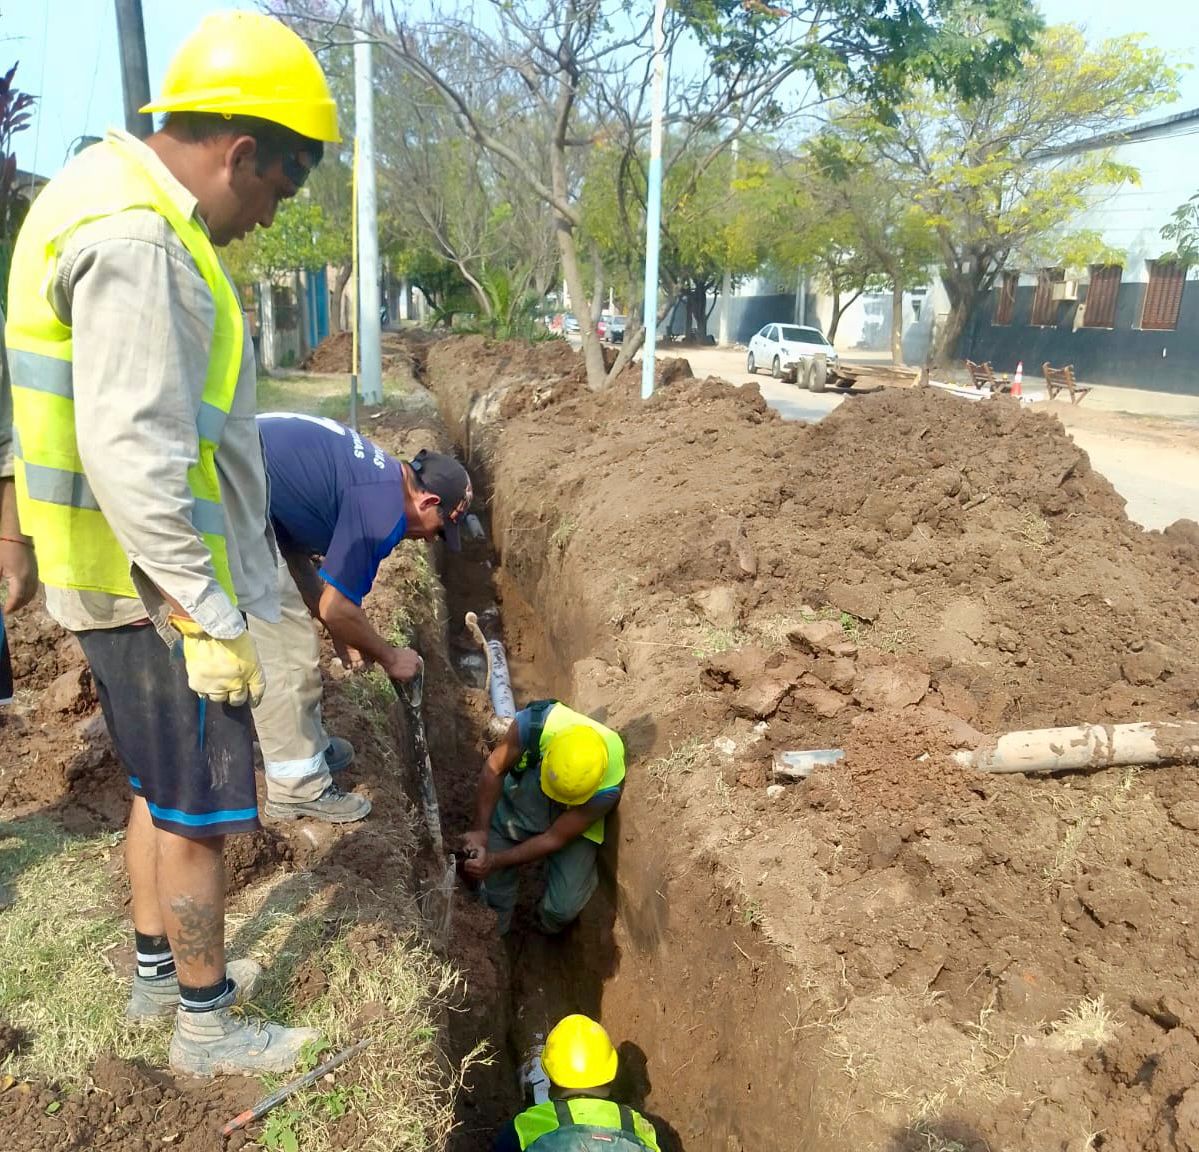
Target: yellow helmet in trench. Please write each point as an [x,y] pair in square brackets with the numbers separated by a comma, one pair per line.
[250,64]
[578,1053]
[573,765]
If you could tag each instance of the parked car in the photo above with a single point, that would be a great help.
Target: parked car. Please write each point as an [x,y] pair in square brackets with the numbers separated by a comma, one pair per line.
[611,328]
[793,353]
[570,324]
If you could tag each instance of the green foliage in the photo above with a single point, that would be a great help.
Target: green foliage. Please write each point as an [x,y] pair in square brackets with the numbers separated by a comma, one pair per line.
[1183,231]
[15,115]
[988,177]
[303,235]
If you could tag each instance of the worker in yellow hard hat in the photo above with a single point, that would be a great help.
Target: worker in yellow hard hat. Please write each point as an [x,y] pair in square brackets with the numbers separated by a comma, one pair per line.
[543,793]
[580,1062]
[140,478]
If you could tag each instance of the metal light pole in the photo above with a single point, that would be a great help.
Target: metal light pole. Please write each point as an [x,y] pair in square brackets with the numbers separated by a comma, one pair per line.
[370,369]
[135,74]
[653,203]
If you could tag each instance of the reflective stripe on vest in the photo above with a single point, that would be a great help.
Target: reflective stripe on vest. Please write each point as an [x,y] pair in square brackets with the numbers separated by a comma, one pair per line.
[559,718]
[587,1112]
[76,547]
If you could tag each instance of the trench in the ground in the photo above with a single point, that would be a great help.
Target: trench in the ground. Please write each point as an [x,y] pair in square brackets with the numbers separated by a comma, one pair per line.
[705,1012]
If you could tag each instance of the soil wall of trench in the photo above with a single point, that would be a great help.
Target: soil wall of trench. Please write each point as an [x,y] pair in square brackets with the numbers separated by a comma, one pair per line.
[897,954]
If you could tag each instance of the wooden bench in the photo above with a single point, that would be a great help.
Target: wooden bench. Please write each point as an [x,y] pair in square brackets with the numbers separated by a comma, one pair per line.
[983,376]
[1062,380]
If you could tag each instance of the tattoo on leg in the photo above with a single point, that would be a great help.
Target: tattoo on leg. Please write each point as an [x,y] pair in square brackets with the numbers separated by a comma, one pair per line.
[201,935]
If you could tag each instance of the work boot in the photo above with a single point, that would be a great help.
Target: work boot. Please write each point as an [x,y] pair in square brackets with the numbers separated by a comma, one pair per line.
[223,1041]
[333,806]
[153,999]
[339,755]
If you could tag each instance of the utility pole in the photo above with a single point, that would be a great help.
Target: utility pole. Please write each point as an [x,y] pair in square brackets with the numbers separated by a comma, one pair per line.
[370,368]
[726,283]
[653,203]
[135,74]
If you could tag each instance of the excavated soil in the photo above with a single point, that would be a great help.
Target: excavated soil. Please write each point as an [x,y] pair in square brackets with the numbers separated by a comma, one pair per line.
[897,953]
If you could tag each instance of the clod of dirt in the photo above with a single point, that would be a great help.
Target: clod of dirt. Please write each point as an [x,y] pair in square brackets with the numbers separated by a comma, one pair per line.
[70,692]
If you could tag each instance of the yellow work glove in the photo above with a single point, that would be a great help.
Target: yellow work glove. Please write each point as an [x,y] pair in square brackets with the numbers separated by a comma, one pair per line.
[221,670]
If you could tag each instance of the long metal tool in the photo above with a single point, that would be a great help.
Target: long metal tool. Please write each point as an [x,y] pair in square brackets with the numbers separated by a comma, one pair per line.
[411,694]
[259,1110]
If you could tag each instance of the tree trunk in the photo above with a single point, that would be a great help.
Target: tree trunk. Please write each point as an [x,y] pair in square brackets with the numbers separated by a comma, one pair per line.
[339,287]
[897,322]
[839,310]
[963,293]
[697,310]
[593,353]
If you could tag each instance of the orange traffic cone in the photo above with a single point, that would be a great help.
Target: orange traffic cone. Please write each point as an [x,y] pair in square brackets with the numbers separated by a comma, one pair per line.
[1018,381]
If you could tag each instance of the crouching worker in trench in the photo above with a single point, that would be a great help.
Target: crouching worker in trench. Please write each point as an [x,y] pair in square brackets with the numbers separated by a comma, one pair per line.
[543,794]
[580,1062]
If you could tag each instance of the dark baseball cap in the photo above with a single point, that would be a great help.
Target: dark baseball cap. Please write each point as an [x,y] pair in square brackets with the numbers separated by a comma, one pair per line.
[443,476]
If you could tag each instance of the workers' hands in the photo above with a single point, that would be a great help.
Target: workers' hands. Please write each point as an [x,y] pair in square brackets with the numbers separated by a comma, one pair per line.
[351,659]
[403,664]
[18,565]
[478,866]
[475,841]
[221,670]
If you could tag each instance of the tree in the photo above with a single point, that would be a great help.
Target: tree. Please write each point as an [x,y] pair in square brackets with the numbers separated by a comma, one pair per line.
[1183,231]
[15,114]
[891,236]
[999,176]
[579,72]
[302,237]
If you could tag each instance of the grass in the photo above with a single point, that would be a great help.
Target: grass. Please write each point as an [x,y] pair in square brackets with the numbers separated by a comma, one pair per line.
[54,982]
[561,535]
[682,760]
[1090,1021]
[318,395]
[713,641]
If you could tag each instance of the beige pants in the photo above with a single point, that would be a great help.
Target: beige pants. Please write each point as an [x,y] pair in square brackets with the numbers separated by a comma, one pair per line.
[288,720]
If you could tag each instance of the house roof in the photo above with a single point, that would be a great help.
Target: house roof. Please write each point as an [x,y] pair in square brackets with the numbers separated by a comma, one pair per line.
[1181,123]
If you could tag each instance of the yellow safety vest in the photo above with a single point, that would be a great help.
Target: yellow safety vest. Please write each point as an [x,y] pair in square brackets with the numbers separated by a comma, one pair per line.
[551,717]
[76,547]
[587,1112]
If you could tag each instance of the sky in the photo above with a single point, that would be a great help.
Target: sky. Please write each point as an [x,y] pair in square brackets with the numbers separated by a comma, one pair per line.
[68,54]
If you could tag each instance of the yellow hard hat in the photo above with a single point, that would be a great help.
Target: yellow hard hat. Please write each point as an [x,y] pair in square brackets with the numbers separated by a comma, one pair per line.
[579,1054]
[250,64]
[574,765]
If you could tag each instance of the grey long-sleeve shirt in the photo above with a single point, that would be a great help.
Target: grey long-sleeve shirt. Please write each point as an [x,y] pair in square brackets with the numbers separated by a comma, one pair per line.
[142,318]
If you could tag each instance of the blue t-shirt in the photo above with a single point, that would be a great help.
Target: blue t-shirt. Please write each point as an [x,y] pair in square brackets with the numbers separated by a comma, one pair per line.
[333,494]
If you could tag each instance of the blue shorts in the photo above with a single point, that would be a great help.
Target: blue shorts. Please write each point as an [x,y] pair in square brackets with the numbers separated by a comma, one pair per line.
[191,760]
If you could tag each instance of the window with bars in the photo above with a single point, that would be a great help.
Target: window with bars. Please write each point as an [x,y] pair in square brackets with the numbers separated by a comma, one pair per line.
[1100,308]
[1044,306]
[1163,295]
[1005,305]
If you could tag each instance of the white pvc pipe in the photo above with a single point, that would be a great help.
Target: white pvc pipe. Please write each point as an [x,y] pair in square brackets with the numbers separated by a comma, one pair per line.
[1086,746]
[503,703]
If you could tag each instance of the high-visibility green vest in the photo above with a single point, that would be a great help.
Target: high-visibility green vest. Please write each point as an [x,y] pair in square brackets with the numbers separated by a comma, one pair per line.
[551,717]
[75,546]
[579,1114]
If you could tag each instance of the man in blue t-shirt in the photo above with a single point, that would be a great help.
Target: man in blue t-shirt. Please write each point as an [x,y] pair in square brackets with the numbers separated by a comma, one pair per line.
[339,506]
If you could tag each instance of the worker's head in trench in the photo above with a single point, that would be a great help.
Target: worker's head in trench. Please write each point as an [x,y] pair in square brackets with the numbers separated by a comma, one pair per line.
[578,1057]
[437,496]
[247,115]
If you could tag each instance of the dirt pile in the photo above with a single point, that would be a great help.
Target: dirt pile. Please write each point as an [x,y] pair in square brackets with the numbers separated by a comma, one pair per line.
[335,354]
[911,572]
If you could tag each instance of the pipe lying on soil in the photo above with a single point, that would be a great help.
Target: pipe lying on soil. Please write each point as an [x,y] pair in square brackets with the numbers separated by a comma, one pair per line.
[800,765]
[1086,746]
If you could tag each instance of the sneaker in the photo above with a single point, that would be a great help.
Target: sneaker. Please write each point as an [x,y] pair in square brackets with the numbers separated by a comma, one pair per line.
[339,755]
[223,1041]
[333,806]
[155,999]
